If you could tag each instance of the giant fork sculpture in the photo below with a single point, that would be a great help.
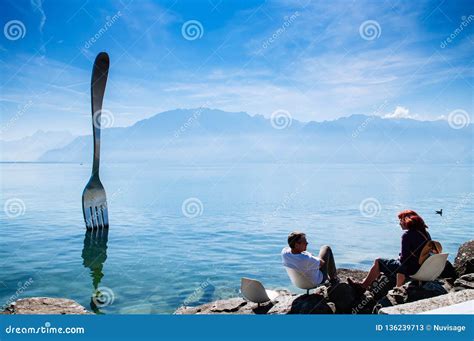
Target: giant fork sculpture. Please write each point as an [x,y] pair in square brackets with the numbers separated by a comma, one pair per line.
[94,201]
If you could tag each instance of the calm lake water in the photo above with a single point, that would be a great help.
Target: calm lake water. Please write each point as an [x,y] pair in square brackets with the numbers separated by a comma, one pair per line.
[160,254]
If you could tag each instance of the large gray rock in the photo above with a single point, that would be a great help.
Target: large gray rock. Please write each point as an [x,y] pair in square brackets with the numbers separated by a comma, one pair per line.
[229,306]
[311,304]
[464,282]
[343,297]
[238,305]
[45,306]
[411,292]
[464,262]
[430,303]
[358,275]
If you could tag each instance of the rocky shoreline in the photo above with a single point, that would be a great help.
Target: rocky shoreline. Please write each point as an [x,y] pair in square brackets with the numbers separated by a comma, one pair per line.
[454,286]
[342,298]
[45,306]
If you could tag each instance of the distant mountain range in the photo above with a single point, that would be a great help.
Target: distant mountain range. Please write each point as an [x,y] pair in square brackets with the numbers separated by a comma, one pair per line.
[32,147]
[197,136]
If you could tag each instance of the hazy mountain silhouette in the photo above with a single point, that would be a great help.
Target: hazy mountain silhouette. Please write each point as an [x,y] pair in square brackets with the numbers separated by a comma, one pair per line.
[30,148]
[189,136]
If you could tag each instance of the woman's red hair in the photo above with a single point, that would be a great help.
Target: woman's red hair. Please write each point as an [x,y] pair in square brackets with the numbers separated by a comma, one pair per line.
[412,220]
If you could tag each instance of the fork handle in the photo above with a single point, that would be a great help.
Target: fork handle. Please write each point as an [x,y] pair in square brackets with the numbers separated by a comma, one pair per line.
[98,82]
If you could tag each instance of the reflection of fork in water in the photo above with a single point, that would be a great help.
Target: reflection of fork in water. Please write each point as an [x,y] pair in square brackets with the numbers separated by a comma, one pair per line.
[94,255]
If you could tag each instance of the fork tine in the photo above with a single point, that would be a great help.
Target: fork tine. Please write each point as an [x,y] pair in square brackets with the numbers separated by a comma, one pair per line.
[87,218]
[94,218]
[105,216]
[98,213]
[94,211]
[91,218]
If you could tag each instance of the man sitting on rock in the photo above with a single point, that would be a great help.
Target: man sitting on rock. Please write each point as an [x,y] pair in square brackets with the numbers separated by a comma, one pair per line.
[316,269]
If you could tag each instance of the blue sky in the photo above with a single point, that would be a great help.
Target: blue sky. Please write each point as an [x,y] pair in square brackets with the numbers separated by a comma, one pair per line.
[310,58]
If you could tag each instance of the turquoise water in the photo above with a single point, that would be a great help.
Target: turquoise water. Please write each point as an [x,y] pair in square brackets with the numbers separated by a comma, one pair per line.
[157,257]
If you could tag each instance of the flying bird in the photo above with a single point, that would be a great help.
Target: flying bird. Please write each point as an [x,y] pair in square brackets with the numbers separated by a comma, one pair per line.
[440,212]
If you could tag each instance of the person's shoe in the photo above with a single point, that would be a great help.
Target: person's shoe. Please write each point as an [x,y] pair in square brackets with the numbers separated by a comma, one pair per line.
[357,286]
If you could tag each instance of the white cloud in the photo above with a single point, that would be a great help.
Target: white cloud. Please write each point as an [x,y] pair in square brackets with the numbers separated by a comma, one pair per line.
[38,6]
[400,112]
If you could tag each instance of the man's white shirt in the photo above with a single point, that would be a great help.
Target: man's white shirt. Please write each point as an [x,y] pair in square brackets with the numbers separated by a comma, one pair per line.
[304,262]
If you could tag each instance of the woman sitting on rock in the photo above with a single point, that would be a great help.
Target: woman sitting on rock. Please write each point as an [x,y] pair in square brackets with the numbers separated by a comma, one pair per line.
[397,270]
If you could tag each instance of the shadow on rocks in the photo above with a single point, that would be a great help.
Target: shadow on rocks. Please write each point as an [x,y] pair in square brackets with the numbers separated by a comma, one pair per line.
[343,296]
[263,309]
[311,304]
